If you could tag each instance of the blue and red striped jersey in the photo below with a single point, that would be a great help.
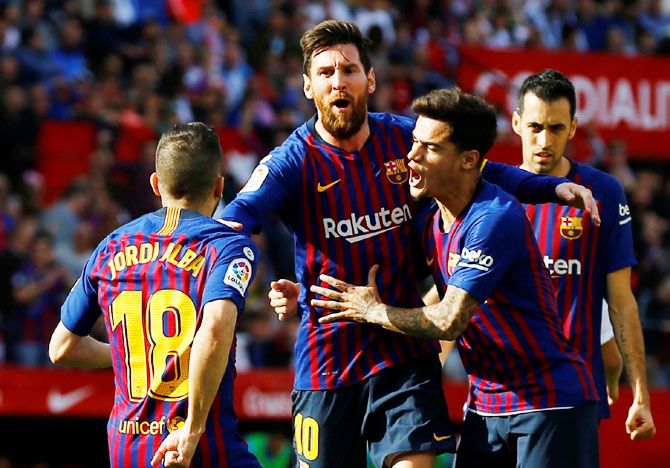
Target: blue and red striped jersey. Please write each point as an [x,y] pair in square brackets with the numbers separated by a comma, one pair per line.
[150,280]
[513,349]
[580,255]
[349,211]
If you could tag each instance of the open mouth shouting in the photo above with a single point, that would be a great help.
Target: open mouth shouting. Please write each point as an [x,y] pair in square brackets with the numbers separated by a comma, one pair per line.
[417,182]
[414,177]
[341,104]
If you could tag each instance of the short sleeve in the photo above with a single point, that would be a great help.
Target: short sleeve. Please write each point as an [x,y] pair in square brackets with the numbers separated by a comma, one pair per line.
[233,271]
[80,310]
[617,229]
[486,257]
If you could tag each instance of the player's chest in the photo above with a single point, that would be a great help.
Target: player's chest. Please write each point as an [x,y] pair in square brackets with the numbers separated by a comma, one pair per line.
[560,225]
[376,180]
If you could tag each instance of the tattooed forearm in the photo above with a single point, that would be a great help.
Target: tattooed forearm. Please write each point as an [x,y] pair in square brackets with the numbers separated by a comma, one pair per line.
[443,321]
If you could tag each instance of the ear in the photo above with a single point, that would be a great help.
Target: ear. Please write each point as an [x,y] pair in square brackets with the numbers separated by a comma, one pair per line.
[218,187]
[471,160]
[372,81]
[153,181]
[573,127]
[307,87]
[516,122]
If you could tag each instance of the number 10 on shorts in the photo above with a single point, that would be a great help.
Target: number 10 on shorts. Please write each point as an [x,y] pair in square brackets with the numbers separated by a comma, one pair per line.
[306,436]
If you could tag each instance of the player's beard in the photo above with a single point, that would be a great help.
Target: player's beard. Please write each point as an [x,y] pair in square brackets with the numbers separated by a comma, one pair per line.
[338,124]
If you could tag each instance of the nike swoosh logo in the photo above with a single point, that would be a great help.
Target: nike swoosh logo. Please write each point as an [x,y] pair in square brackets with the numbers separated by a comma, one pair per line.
[58,402]
[441,438]
[429,261]
[322,188]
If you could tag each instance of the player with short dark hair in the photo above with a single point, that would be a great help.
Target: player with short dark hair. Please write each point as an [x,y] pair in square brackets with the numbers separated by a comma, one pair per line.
[531,400]
[170,286]
[585,261]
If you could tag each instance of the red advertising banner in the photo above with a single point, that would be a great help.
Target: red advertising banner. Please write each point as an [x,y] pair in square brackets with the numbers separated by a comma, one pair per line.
[266,395]
[259,395]
[625,98]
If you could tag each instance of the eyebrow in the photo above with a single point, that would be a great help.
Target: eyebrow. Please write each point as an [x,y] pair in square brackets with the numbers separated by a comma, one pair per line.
[345,66]
[560,124]
[427,143]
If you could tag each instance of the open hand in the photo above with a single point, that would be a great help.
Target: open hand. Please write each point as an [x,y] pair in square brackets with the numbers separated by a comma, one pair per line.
[580,197]
[357,303]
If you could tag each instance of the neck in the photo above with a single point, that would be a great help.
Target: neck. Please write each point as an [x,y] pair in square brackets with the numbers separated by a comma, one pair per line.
[562,168]
[351,144]
[559,170]
[453,202]
[205,207]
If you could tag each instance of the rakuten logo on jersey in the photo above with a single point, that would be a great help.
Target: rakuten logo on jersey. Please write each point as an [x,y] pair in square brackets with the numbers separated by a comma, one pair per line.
[358,228]
[475,259]
[562,267]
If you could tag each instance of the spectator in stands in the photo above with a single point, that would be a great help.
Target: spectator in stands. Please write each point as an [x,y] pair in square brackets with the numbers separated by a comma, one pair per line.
[656,325]
[18,133]
[34,17]
[319,10]
[38,287]
[69,54]
[72,255]
[11,259]
[104,36]
[61,218]
[9,72]
[655,19]
[234,73]
[7,219]
[35,62]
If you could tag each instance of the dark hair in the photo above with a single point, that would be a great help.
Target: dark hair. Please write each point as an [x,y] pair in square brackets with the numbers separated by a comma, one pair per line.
[188,160]
[549,85]
[42,235]
[473,121]
[330,33]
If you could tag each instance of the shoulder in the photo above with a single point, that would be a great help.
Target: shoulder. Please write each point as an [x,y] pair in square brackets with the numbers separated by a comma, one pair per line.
[494,208]
[228,241]
[595,178]
[142,224]
[404,124]
[491,198]
[293,148]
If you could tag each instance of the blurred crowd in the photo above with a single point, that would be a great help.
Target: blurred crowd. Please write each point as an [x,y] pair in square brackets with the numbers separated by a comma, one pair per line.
[146,65]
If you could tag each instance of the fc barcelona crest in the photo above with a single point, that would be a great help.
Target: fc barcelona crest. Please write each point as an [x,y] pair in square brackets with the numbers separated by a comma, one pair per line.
[396,171]
[571,227]
[454,258]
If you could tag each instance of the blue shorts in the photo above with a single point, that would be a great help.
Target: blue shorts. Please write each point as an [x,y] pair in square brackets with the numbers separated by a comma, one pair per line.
[555,438]
[400,409]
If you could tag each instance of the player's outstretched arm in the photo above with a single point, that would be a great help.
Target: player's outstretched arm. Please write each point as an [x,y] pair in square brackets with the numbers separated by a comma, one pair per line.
[209,358]
[69,349]
[445,320]
[538,188]
[283,297]
[628,333]
[579,196]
